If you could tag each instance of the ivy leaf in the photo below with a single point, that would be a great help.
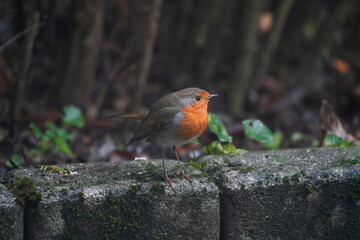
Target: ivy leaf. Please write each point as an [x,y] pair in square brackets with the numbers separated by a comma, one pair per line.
[55,131]
[332,140]
[73,117]
[257,130]
[276,142]
[217,127]
[63,146]
[36,131]
[62,133]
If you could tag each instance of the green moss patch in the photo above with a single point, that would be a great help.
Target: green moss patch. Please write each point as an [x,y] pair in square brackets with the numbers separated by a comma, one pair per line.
[295,177]
[286,180]
[207,173]
[348,162]
[122,218]
[310,189]
[24,190]
[157,187]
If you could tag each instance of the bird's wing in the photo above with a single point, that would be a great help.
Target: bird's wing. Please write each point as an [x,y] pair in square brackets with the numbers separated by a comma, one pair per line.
[155,122]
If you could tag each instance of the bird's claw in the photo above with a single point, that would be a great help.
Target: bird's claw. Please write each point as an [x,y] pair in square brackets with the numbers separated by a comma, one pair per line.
[182,175]
[170,182]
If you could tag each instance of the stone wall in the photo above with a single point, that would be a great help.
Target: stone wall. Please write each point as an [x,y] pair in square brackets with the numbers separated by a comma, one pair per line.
[290,194]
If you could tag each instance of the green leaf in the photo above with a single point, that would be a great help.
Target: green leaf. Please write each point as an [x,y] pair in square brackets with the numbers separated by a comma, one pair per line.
[298,136]
[51,126]
[276,142]
[44,167]
[231,149]
[62,133]
[347,144]
[217,127]
[53,130]
[196,141]
[315,143]
[16,159]
[53,169]
[36,131]
[63,146]
[257,130]
[217,148]
[332,140]
[212,147]
[73,117]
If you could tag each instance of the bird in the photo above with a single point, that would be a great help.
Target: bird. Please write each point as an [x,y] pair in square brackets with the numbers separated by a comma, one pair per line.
[175,119]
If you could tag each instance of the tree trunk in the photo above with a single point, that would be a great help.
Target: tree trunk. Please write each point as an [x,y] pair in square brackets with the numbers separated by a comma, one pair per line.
[281,16]
[243,67]
[147,54]
[221,16]
[32,18]
[76,76]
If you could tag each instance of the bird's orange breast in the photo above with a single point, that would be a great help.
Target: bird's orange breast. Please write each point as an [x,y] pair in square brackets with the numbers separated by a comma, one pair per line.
[193,123]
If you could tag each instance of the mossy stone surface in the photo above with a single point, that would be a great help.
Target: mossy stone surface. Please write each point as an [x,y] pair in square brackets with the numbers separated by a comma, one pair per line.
[292,194]
[289,194]
[11,216]
[120,201]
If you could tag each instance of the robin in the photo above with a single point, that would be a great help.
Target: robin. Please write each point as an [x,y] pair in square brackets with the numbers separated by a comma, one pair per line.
[175,119]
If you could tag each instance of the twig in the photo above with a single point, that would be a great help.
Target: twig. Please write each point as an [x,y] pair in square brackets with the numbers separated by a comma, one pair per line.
[21,83]
[20,34]
[94,107]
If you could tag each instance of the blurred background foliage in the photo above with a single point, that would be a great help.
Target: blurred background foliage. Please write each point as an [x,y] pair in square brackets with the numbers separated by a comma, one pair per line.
[90,52]
[273,59]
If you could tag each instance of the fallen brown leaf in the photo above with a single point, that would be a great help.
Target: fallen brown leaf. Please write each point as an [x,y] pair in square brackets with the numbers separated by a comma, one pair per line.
[330,123]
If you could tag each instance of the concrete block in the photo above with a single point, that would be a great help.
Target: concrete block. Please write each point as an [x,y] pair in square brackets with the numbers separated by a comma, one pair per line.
[11,216]
[291,194]
[120,201]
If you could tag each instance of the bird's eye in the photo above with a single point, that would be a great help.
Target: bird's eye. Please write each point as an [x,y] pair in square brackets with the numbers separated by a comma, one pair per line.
[198,98]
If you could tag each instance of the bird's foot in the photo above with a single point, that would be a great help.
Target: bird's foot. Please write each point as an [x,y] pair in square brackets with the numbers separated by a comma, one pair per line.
[169,181]
[182,175]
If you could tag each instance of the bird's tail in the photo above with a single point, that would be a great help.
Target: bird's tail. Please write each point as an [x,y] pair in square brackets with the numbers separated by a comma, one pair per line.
[136,116]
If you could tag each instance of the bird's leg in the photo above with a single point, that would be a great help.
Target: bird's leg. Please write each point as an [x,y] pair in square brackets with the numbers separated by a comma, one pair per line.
[182,173]
[167,179]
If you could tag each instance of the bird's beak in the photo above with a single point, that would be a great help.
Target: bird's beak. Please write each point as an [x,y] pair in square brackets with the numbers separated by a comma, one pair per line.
[211,96]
